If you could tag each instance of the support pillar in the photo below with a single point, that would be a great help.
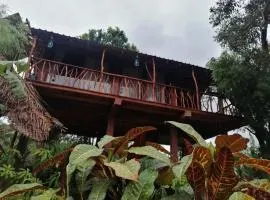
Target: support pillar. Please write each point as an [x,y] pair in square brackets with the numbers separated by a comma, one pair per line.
[112,115]
[110,126]
[173,144]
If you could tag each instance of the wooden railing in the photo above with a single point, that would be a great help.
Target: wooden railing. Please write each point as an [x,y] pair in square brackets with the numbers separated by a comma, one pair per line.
[87,79]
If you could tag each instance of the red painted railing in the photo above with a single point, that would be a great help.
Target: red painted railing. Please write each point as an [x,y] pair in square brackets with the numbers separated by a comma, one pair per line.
[87,79]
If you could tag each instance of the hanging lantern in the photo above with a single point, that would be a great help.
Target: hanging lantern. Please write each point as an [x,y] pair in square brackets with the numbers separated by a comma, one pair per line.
[137,62]
[50,43]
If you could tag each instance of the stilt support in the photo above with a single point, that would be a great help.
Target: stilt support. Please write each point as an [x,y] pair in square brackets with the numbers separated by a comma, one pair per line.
[174,144]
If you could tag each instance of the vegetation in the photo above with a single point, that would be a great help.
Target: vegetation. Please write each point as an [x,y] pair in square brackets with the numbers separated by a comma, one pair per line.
[116,169]
[14,33]
[242,71]
[113,36]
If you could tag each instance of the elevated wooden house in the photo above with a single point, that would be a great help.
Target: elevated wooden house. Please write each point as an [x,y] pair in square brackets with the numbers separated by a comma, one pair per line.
[95,90]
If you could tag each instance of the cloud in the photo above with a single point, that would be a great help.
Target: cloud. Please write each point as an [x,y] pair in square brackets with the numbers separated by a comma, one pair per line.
[175,29]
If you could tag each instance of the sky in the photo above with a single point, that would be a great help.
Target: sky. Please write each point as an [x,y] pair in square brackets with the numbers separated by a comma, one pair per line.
[174,29]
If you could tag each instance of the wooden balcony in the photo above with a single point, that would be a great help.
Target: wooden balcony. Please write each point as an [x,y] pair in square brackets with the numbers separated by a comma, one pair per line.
[123,87]
[90,102]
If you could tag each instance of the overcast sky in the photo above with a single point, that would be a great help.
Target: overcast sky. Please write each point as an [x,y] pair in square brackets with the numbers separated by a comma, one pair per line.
[175,29]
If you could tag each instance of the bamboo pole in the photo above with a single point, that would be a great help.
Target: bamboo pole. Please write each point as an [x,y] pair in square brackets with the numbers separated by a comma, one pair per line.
[102,60]
[154,79]
[197,90]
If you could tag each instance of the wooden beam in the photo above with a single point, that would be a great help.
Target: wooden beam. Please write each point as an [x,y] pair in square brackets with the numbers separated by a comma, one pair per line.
[173,144]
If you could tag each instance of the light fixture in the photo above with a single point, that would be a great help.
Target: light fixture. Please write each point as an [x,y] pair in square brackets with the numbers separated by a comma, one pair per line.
[50,43]
[136,62]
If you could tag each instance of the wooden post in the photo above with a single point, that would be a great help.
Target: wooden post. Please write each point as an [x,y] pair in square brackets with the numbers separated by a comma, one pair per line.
[102,70]
[173,144]
[154,80]
[34,43]
[197,90]
[27,74]
[110,126]
[102,61]
[111,119]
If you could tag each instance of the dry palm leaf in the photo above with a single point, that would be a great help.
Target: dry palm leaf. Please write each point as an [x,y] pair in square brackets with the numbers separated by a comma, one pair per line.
[23,108]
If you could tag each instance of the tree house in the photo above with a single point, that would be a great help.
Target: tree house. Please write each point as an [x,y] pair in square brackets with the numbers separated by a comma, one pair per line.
[95,90]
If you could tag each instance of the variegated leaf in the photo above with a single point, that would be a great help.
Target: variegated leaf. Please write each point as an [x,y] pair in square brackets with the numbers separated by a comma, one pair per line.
[258,188]
[106,139]
[131,135]
[143,189]
[151,152]
[158,147]
[190,131]
[128,170]
[18,189]
[234,142]
[179,170]
[203,156]
[261,164]
[196,178]
[222,178]
[240,196]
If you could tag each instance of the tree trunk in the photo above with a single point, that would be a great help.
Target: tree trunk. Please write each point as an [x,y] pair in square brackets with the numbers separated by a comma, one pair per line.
[265,22]
[21,147]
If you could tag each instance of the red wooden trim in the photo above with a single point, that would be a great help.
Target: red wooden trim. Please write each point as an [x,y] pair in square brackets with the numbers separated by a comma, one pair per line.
[106,83]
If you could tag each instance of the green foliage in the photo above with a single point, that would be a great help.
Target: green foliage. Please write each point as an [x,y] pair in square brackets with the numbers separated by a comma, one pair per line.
[14,40]
[112,36]
[19,189]
[151,152]
[137,172]
[242,73]
[144,188]
[241,25]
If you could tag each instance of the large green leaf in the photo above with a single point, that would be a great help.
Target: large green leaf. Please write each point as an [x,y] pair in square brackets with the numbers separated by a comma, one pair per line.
[79,154]
[151,163]
[179,170]
[47,195]
[240,196]
[179,195]
[143,189]
[151,152]
[190,131]
[99,190]
[105,140]
[20,189]
[128,170]
[83,170]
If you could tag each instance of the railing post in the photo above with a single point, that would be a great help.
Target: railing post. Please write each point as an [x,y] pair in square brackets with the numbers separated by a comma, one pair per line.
[174,97]
[198,101]
[154,81]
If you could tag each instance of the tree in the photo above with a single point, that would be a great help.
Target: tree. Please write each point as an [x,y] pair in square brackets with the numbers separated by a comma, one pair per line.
[112,36]
[242,73]
[241,24]
[14,40]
